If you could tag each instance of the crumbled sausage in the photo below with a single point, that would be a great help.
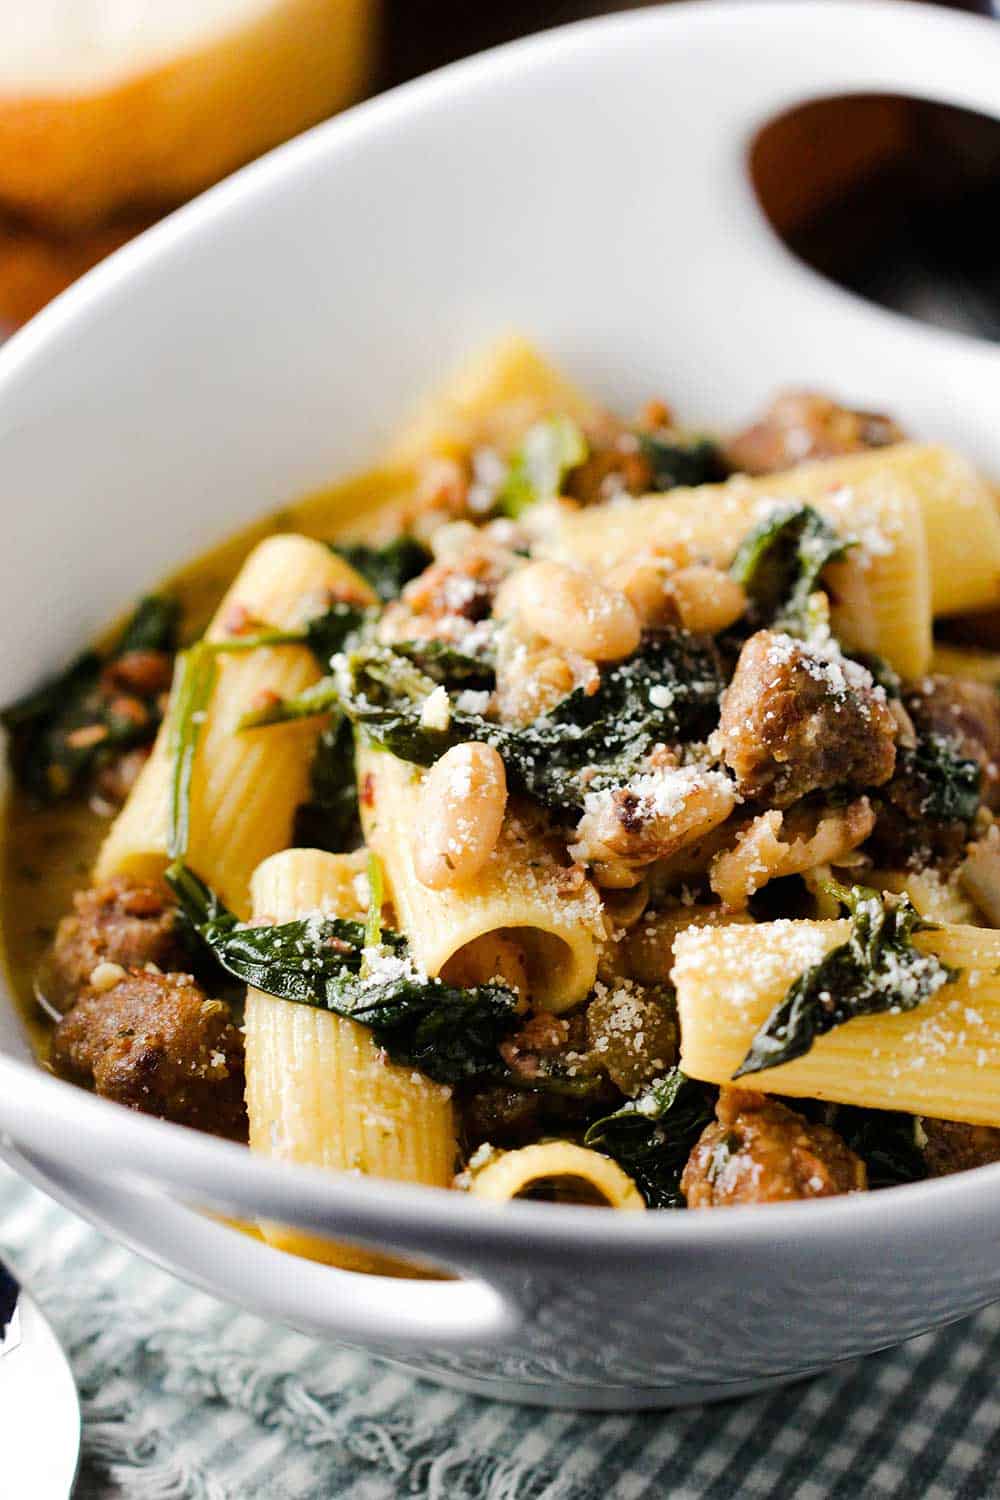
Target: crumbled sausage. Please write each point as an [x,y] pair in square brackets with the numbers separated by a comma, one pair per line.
[555,1087]
[801,425]
[464,586]
[542,1040]
[632,1031]
[951,1146]
[966,713]
[144,673]
[503,1116]
[795,720]
[158,1044]
[759,1151]
[115,780]
[122,922]
[614,465]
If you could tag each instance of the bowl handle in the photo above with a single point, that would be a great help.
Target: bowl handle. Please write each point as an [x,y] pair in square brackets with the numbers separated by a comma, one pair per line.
[395,1313]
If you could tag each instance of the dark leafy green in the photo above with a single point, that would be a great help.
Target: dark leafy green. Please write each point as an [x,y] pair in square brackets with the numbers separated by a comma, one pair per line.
[152,627]
[63,730]
[676,462]
[877,969]
[667,691]
[549,451]
[447,1032]
[334,630]
[652,1137]
[325,634]
[388,569]
[951,782]
[446,664]
[439,662]
[329,819]
[780,563]
[885,1140]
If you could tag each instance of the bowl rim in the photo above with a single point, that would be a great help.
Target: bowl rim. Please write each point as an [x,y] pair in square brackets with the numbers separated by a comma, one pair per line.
[211,1170]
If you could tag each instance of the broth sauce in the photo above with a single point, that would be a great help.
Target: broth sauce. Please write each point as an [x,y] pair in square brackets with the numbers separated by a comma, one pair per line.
[47,851]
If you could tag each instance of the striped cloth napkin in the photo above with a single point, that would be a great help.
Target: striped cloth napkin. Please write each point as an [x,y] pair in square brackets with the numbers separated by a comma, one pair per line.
[185,1398]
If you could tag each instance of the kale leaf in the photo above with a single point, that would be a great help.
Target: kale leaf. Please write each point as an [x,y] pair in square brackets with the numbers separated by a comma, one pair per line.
[330,819]
[453,668]
[668,690]
[388,569]
[652,1137]
[334,630]
[152,627]
[549,451]
[951,782]
[449,1033]
[780,563]
[674,462]
[61,732]
[876,970]
[885,1140]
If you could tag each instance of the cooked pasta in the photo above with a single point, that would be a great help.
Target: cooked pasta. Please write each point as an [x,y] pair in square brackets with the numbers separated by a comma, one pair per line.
[318,1089]
[521,893]
[492,398]
[556,1169]
[880,508]
[940,1059]
[587,812]
[959,511]
[244,788]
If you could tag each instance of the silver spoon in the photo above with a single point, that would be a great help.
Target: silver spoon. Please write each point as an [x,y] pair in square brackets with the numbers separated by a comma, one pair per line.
[39,1408]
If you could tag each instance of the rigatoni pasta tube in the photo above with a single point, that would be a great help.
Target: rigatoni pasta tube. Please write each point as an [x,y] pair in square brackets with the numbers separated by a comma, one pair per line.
[319,1091]
[553,915]
[561,1169]
[244,786]
[882,512]
[959,510]
[490,399]
[940,1059]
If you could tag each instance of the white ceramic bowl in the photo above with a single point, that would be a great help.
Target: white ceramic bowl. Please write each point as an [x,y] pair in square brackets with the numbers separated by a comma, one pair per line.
[588,187]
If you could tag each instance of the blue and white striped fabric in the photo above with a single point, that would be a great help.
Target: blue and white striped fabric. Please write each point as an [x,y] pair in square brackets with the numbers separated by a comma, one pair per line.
[186,1399]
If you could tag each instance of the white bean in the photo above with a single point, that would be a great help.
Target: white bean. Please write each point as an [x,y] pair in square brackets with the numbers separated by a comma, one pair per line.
[570,608]
[462,805]
[707,599]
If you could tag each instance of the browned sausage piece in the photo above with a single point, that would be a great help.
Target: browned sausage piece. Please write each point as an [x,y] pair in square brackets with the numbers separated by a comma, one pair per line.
[802,425]
[954,1147]
[967,714]
[632,1032]
[761,1152]
[121,923]
[796,721]
[157,1043]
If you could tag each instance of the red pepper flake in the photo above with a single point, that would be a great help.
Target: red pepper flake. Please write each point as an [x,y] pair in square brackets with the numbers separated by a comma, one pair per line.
[237,620]
[368,789]
[264,698]
[345,593]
